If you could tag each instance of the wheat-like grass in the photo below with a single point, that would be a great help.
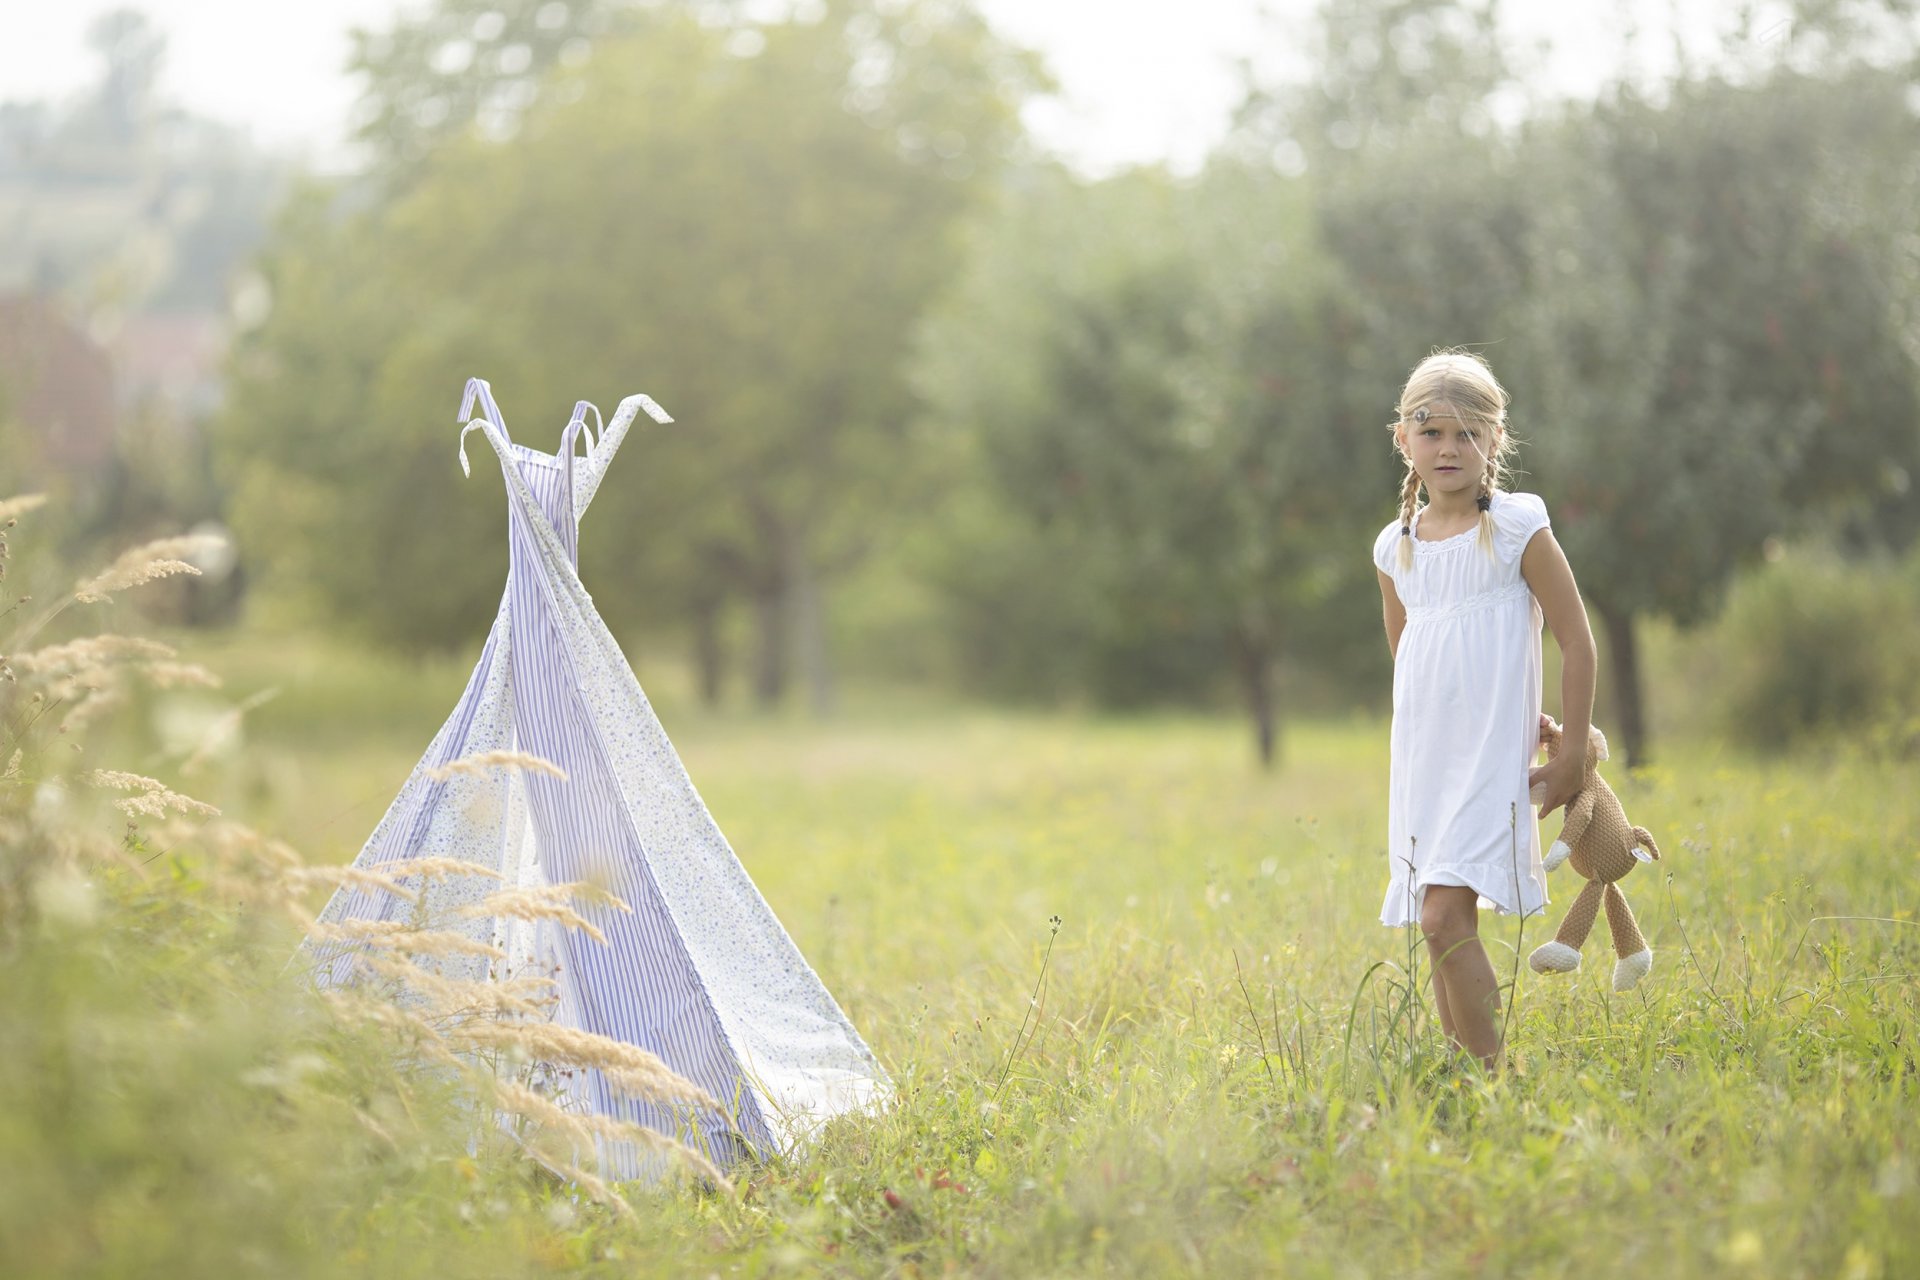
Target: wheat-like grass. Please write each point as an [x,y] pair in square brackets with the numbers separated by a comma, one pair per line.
[152,798]
[482,761]
[13,508]
[223,730]
[89,676]
[398,936]
[238,847]
[627,1067]
[351,1006]
[546,902]
[452,999]
[89,653]
[92,704]
[387,876]
[434,868]
[359,877]
[149,562]
[177,675]
[583,1128]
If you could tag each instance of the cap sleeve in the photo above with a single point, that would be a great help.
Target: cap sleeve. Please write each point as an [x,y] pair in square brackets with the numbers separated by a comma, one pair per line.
[1383,548]
[1515,522]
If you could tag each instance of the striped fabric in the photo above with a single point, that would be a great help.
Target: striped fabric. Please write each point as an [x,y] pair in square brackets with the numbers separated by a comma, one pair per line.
[701,972]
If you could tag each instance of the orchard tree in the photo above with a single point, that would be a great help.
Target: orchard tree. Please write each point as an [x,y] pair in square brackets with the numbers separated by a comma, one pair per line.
[1160,370]
[745,220]
[1714,347]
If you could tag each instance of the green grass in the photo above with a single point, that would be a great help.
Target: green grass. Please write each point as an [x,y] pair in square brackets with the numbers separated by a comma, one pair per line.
[1221,1073]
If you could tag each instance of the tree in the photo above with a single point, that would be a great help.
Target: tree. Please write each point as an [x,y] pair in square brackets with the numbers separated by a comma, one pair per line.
[1153,377]
[747,220]
[1715,344]
[459,65]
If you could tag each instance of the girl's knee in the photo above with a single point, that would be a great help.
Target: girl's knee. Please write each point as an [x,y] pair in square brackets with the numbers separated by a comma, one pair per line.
[1448,913]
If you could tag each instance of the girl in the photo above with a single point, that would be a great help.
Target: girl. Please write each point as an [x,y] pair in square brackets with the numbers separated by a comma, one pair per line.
[1465,580]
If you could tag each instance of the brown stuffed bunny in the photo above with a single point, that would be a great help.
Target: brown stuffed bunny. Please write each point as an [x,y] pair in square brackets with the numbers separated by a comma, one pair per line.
[1603,847]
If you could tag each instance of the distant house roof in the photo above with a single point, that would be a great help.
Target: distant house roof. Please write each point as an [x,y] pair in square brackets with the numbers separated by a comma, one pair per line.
[173,356]
[56,383]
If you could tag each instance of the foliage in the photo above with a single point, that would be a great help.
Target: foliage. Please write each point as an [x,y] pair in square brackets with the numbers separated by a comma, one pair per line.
[1813,646]
[1214,1076]
[1136,444]
[1144,375]
[755,221]
[458,65]
[177,1099]
[1719,359]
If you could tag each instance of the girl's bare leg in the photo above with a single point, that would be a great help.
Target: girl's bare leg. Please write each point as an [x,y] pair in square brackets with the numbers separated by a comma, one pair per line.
[1450,919]
[1446,1014]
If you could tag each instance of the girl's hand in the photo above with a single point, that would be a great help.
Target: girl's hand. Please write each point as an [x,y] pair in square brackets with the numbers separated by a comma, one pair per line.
[1554,783]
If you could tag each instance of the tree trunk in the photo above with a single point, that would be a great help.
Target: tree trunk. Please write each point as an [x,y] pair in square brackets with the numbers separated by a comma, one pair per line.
[1623,656]
[770,660]
[766,575]
[1256,684]
[709,650]
[807,614]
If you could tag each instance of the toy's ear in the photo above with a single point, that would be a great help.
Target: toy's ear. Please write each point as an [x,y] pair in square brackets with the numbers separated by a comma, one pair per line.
[1599,743]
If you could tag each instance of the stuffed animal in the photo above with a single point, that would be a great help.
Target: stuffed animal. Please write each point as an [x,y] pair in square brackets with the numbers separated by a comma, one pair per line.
[1603,847]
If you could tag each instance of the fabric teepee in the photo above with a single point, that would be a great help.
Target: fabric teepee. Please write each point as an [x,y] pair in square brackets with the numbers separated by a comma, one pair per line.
[701,972]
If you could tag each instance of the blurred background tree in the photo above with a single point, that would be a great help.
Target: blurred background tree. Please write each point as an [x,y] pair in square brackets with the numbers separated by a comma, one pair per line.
[1150,372]
[951,413]
[747,218]
[1714,351]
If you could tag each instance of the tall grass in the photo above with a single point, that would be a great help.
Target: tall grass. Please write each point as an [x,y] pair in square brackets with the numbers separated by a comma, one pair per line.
[176,1096]
[1189,1073]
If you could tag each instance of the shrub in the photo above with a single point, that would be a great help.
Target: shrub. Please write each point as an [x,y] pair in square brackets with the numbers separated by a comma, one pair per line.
[1811,645]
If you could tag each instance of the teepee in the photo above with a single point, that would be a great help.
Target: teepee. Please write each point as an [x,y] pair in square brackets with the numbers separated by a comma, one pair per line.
[699,972]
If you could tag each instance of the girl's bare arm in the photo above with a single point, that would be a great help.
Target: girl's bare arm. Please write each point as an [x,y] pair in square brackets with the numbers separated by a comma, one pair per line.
[1544,566]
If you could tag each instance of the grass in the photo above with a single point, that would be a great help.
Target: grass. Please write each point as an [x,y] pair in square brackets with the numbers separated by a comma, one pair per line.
[1212,1067]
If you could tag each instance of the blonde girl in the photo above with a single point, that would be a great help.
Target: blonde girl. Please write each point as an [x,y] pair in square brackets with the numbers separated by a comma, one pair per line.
[1468,572]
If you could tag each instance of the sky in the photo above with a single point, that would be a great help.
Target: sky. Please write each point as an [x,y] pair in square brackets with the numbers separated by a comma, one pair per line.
[1142,81]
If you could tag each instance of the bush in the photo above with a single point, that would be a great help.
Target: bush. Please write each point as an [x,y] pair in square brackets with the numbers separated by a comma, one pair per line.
[1811,645]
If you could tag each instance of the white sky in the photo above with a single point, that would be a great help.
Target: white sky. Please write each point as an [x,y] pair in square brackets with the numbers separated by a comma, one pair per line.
[1141,80]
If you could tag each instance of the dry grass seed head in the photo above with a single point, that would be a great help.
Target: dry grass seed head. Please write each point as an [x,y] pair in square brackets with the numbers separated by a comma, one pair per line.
[149,562]
[547,902]
[478,764]
[90,653]
[627,1067]
[358,1007]
[358,877]
[177,675]
[581,1129]
[398,936]
[455,1000]
[151,798]
[433,868]
[18,505]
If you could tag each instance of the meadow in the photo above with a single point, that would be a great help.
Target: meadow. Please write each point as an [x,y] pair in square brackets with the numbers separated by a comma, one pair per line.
[1131,990]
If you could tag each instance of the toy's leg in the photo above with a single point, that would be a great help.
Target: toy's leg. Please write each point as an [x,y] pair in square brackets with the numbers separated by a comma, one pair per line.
[1562,955]
[1636,957]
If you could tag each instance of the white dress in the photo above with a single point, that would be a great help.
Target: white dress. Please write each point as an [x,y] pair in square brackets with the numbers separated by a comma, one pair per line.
[1466,716]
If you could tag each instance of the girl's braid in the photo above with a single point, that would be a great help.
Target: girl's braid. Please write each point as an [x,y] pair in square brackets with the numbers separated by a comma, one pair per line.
[1409,496]
[1488,479]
